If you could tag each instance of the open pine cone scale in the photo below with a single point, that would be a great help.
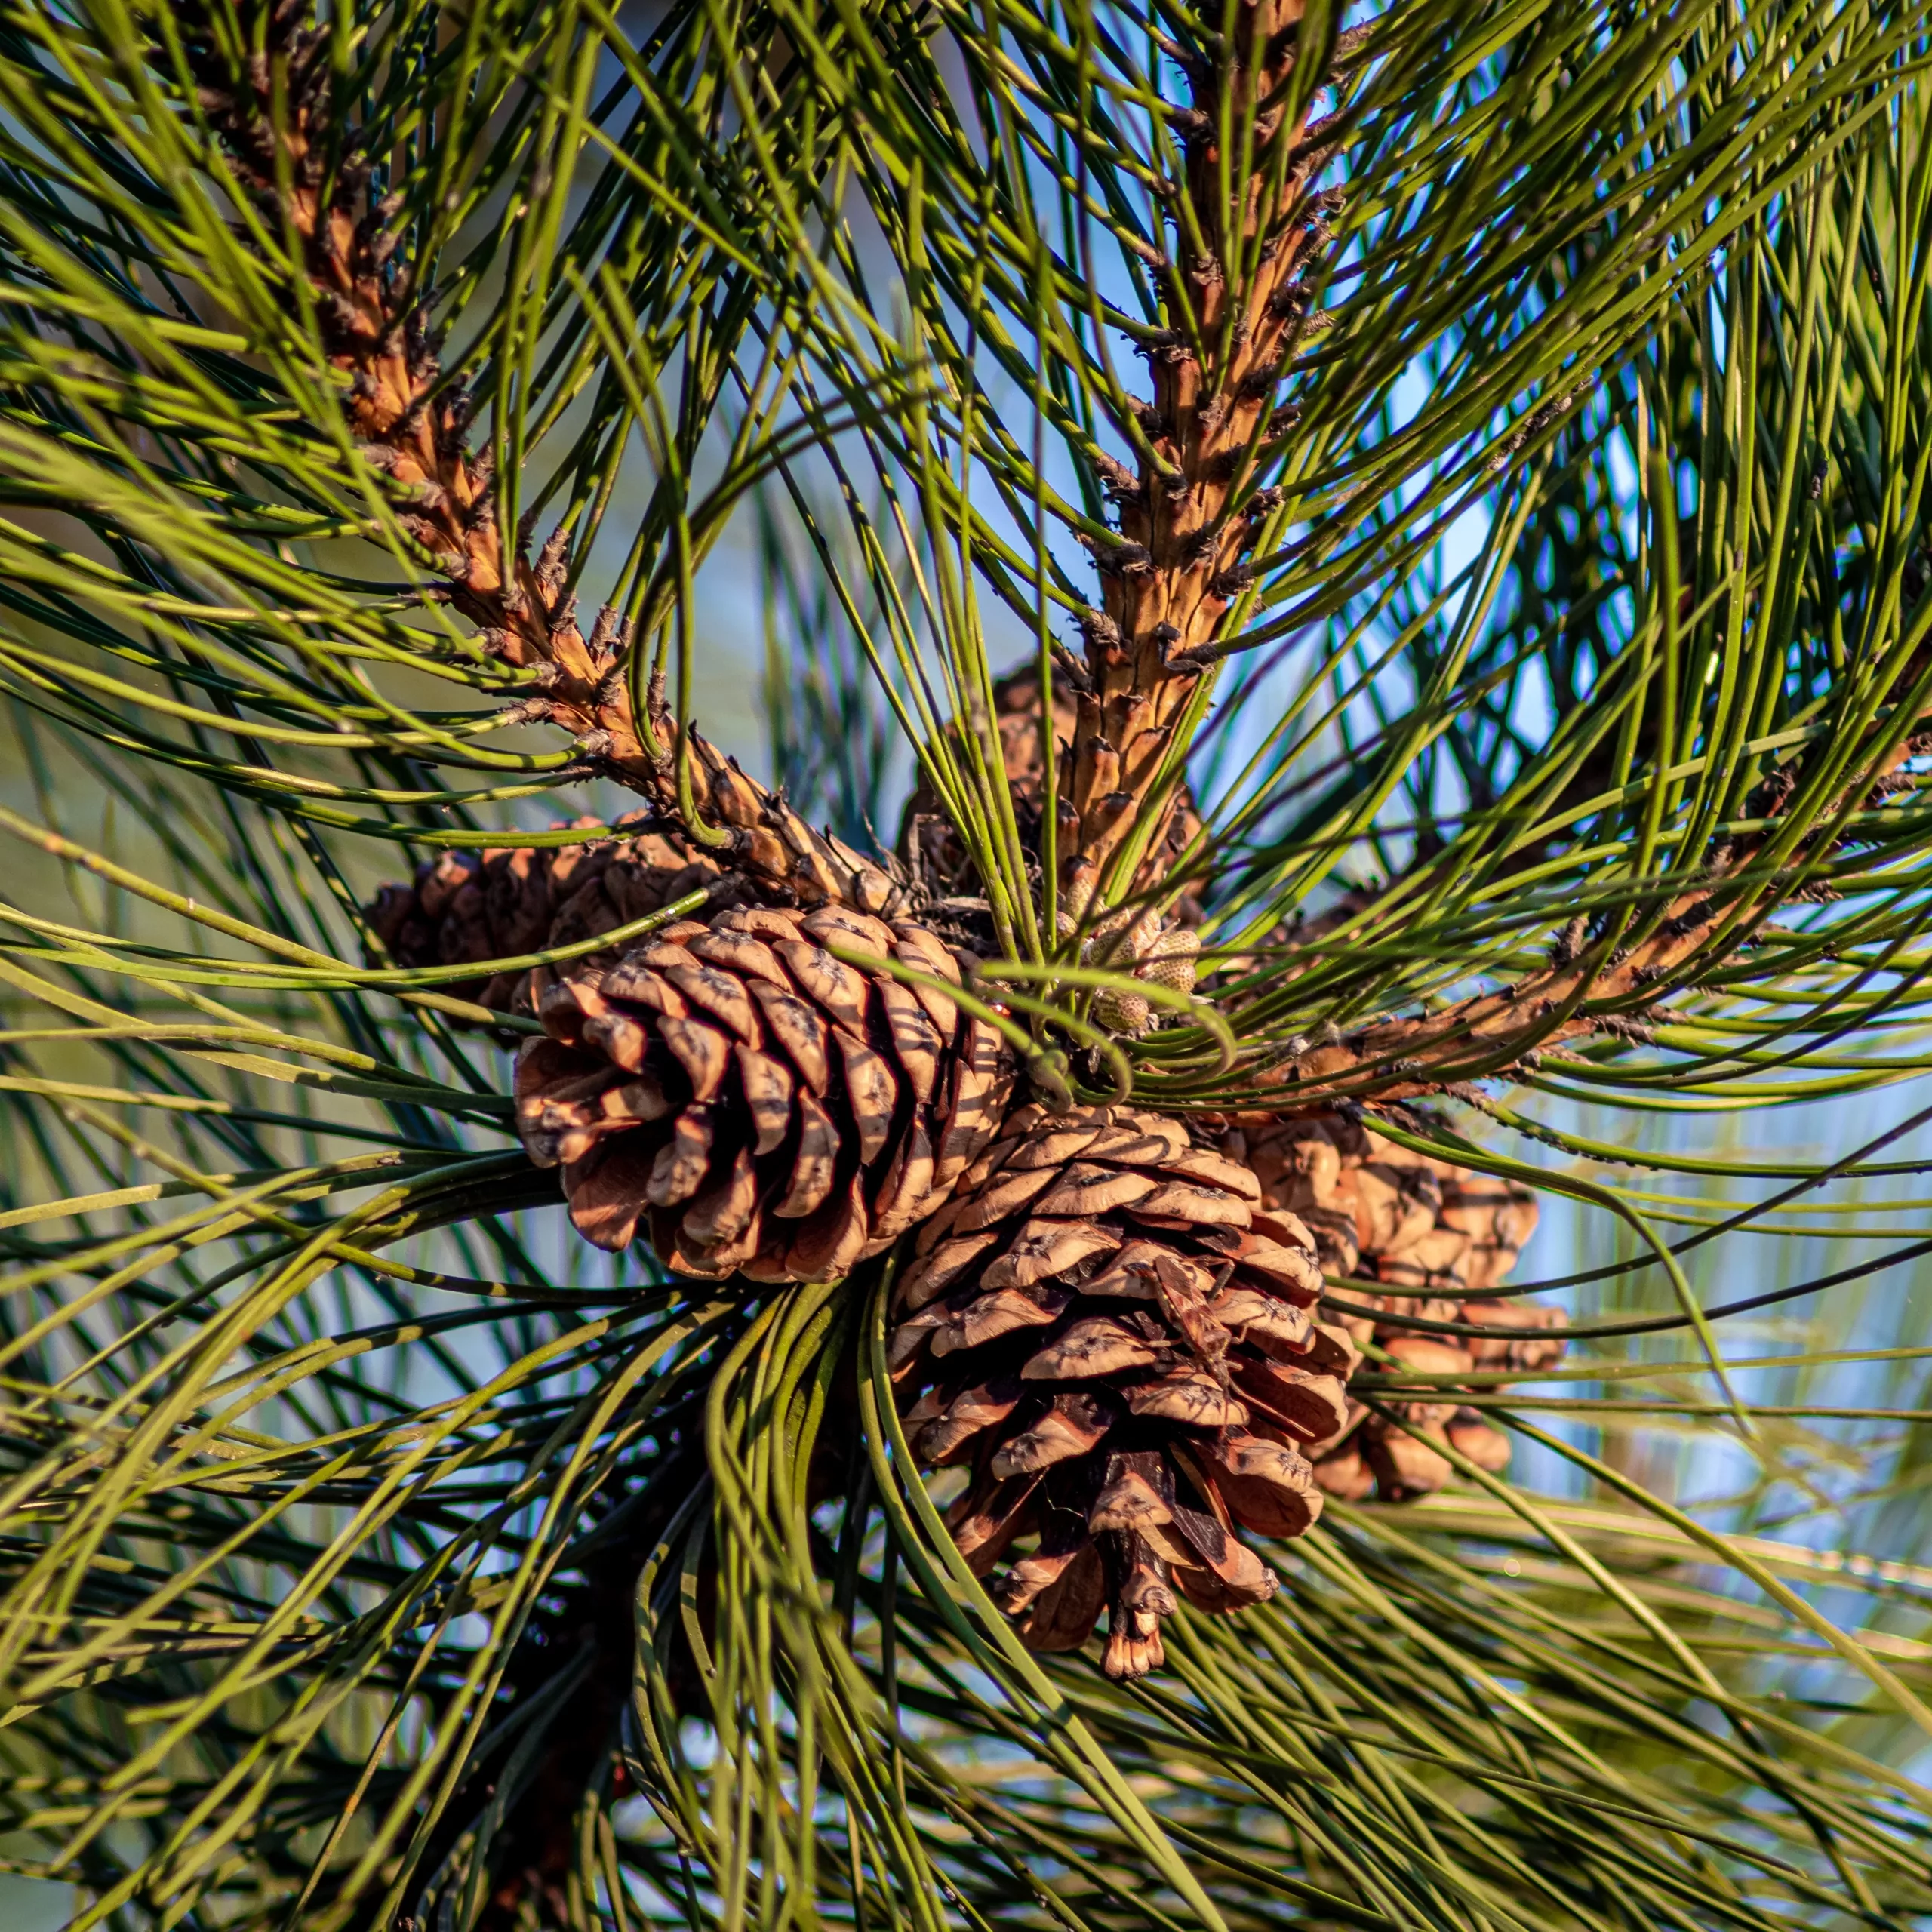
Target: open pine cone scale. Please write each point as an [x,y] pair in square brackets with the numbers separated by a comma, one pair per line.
[463,908]
[1108,1330]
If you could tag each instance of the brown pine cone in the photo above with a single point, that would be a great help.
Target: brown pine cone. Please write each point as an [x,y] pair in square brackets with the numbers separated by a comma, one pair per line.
[753,1104]
[1104,1326]
[1379,1213]
[507,900]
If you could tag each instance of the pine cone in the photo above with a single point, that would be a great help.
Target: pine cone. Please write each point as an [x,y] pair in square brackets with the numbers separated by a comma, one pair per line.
[1379,1213]
[759,1106]
[511,900]
[1104,1326]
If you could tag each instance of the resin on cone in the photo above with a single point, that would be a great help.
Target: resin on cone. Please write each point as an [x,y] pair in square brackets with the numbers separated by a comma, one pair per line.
[1111,1333]
[750,1103]
[1445,1236]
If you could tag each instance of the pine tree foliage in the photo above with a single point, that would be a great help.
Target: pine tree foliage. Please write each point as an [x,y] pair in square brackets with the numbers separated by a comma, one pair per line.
[1474,455]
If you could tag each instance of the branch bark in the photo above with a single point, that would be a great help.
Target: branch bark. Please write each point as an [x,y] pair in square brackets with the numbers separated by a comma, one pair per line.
[1190,512]
[1498,1035]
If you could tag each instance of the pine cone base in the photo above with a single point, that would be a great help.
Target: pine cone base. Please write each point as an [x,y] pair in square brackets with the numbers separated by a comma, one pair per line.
[465,907]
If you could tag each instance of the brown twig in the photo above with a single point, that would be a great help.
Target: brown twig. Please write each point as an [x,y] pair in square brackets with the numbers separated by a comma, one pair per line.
[1189,514]
[272,113]
[1585,990]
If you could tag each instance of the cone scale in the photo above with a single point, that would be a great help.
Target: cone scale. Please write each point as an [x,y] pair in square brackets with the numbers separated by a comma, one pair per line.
[465,908]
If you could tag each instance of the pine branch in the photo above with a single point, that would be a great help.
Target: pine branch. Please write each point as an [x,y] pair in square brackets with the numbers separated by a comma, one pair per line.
[589,1630]
[273,113]
[1239,303]
[1588,990]
[343,1573]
